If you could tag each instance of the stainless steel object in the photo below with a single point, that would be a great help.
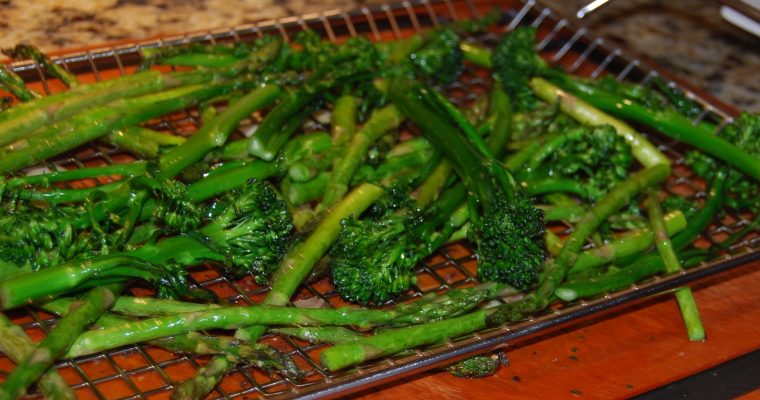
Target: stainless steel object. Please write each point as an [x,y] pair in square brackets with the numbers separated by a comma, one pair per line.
[145,371]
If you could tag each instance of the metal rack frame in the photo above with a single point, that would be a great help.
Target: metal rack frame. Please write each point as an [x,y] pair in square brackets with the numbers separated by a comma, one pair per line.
[146,371]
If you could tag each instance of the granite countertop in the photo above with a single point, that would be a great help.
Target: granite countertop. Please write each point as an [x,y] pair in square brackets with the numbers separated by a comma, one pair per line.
[686,36]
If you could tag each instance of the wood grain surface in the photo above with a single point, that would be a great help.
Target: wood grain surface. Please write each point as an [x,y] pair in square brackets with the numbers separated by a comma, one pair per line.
[620,355]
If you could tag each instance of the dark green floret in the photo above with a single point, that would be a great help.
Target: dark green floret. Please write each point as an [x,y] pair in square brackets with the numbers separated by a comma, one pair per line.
[372,261]
[475,367]
[506,227]
[441,59]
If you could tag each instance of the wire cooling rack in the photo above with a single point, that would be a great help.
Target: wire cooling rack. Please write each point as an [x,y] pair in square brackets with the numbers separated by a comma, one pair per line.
[148,372]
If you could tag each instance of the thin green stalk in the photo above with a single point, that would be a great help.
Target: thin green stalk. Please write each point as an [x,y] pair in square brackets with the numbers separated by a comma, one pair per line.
[562,213]
[58,341]
[62,278]
[685,298]
[19,121]
[380,122]
[630,243]
[432,186]
[477,55]
[279,124]
[259,356]
[25,51]
[224,318]
[642,149]
[14,84]
[100,121]
[125,170]
[623,278]
[321,334]
[396,340]
[17,346]
[55,196]
[142,142]
[343,125]
[215,133]
[556,185]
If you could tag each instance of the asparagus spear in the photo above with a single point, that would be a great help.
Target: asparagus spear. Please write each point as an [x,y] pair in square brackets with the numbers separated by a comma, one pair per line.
[98,122]
[396,340]
[14,84]
[27,117]
[16,344]
[58,341]
[25,51]
[651,264]
[215,133]
[631,243]
[643,150]
[379,123]
[686,302]
[260,356]
[142,142]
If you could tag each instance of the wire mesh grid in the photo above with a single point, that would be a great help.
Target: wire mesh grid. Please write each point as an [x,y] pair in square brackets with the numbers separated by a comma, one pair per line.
[145,371]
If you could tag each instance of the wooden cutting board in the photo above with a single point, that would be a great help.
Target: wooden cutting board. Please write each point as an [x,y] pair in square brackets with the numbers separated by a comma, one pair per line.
[619,355]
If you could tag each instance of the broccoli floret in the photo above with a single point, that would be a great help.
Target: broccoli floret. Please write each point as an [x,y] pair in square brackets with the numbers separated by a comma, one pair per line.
[742,192]
[475,367]
[441,59]
[253,232]
[505,225]
[515,61]
[599,156]
[680,203]
[372,261]
[510,243]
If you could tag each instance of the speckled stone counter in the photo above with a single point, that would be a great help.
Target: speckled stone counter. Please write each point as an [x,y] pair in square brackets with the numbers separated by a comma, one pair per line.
[686,36]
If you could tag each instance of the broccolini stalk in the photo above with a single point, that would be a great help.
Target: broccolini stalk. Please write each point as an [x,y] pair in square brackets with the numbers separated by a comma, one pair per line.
[63,278]
[14,84]
[507,228]
[556,269]
[17,346]
[125,170]
[685,298]
[58,341]
[382,121]
[651,264]
[215,133]
[330,65]
[98,122]
[195,55]
[25,51]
